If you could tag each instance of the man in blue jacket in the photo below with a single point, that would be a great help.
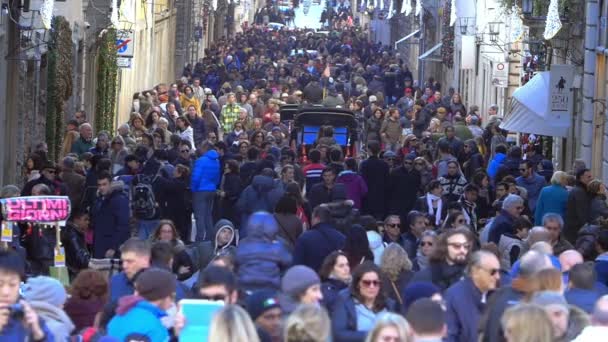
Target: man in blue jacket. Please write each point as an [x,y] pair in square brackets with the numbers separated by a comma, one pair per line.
[531,181]
[315,244]
[205,182]
[109,217]
[135,256]
[466,299]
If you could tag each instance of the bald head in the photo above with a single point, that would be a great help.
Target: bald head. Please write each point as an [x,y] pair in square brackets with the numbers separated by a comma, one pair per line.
[600,312]
[537,234]
[570,258]
[533,262]
[542,247]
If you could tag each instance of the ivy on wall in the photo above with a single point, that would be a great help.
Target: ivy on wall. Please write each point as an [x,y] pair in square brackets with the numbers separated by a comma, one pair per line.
[107,72]
[447,37]
[59,83]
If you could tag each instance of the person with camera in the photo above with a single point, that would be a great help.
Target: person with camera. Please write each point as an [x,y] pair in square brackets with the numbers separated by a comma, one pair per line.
[18,321]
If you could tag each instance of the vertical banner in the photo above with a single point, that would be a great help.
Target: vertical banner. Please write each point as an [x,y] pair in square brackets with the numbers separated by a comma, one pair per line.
[560,92]
[468,51]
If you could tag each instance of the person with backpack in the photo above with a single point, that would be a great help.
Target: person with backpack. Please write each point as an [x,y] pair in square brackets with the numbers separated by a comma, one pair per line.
[109,217]
[145,195]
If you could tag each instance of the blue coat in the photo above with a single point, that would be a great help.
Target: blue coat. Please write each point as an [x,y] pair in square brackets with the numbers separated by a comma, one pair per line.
[503,223]
[584,299]
[206,172]
[142,318]
[262,194]
[533,185]
[15,331]
[601,269]
[317,243]
[463,311]
[552,199]
[110,221]
[120,286]
[261,259]
[495,164]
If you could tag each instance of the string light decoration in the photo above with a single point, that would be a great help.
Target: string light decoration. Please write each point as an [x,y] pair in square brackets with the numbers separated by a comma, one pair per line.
[516,25]
[553,24]
[406,7]
[418,7]
[46,13]
[447,40]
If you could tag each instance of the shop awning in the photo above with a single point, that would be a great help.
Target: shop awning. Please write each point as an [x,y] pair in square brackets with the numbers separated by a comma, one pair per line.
[530,112]
[428,55]
[406,38]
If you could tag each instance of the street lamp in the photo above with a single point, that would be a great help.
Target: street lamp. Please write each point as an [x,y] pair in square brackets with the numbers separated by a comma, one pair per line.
[494,27]
[464,25]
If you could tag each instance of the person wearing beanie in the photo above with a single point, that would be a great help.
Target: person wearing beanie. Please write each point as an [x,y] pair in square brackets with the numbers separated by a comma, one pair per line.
[265,311]
[139,316]
[47,296]
[418,290]
[300,285]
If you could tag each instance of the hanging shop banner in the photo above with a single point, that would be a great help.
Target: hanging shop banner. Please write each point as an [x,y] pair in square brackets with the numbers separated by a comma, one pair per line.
[468,53]
[39,209]
[560,90]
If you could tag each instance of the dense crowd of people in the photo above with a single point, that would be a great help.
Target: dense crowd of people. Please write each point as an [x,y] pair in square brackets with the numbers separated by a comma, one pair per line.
[429,226]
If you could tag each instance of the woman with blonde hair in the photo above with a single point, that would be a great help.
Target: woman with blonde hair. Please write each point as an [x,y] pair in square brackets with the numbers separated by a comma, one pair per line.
[390,327]
[552,198]
[397,269]
[308,323]
[527,323]
[232,324]
[68,140]
[549,279]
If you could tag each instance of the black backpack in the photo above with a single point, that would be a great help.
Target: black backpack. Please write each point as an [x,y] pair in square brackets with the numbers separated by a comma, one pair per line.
[143,201]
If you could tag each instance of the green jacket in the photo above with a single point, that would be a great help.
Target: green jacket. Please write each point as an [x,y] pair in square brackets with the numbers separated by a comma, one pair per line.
[80,146]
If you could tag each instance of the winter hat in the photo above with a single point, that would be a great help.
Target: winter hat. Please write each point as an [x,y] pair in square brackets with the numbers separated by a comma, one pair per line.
[410,156]
[298,279]
[45,289]
[418,290]
[261,301]
[550,298]
[376,245]
[373,98]
[390,154]
[155,284]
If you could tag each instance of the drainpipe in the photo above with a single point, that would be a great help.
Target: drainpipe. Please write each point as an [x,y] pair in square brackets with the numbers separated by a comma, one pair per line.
[587,131]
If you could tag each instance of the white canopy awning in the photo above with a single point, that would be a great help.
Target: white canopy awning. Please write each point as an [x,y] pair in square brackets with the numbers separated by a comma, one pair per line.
[427,55]
[406,38]
[530,112]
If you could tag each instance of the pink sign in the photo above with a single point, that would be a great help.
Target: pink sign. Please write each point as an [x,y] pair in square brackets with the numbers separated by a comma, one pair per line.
[36,208]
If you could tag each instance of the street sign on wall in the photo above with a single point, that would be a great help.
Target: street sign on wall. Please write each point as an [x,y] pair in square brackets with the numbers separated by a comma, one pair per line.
[124,62]
[500,75]
[125,43]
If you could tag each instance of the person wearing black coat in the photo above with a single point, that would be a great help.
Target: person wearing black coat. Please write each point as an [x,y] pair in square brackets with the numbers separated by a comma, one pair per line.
[472,159]
[375,172]
[578,206]
[72,239]
[176,200]
[447,263]
[319,241]
[335,276]
[404,183]
[322,192]
[230,190]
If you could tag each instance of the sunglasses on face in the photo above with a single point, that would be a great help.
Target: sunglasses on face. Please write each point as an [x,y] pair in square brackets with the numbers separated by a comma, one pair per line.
[185,151]
[426,243]
[457,245]
[394,225]
[370,283]
[51,171]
